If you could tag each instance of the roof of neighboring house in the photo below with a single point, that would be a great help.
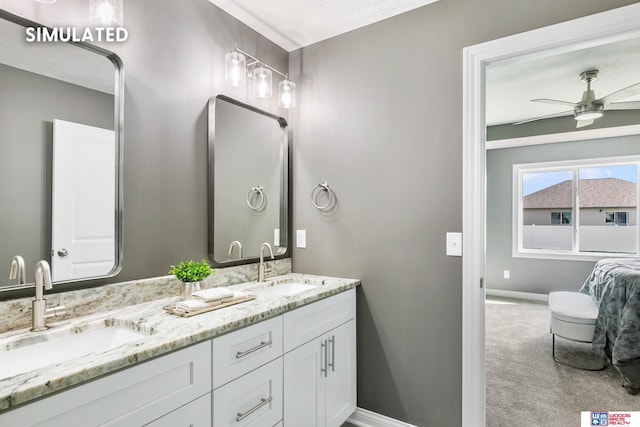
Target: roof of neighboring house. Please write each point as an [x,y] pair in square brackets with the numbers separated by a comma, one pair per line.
[593,193]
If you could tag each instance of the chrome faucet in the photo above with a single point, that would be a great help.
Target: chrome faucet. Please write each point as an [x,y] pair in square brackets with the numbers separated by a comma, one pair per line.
[239,245]
[262,268]
[17,270]
[39,311]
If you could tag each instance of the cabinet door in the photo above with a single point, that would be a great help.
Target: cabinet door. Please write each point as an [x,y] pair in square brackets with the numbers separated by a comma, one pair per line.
[304,385]
[194,414]
[254,399]
[341,379]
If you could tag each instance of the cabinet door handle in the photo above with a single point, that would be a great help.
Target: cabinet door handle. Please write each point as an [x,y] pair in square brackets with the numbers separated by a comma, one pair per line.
[323,366]
[242,415]
[262,344]
[332,341]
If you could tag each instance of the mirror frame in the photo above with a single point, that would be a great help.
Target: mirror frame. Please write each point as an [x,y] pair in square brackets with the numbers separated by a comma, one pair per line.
[119,162]
[284,188]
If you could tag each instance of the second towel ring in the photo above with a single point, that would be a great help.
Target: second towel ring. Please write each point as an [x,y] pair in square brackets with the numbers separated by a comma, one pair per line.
[323,186]
[256,191]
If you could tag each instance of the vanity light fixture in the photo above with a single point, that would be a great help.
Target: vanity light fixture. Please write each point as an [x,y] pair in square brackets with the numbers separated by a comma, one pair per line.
[46,1]
[107,12]
[237,70]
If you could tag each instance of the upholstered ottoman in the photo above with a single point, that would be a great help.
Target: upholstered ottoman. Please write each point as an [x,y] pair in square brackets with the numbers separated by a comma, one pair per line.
[573,317]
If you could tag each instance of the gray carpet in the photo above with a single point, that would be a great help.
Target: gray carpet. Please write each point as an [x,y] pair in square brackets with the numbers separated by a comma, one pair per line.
[526,387]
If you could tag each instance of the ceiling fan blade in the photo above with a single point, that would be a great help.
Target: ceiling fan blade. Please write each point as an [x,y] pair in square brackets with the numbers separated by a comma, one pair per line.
[548,116]
[583,123]
[555,101]
[629,105]
[628,91]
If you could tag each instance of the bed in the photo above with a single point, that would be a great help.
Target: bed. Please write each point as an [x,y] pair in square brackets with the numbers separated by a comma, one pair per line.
[614,285]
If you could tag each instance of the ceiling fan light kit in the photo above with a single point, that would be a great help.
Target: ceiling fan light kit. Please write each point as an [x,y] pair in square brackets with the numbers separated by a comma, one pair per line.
[589,108]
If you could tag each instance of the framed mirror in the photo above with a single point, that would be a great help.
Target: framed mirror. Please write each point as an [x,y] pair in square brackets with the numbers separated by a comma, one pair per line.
[60,156]
[248,187]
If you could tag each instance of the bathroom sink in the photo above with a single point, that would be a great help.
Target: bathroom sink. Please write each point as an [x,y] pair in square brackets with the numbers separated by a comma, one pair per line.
[31,350]
[287,287]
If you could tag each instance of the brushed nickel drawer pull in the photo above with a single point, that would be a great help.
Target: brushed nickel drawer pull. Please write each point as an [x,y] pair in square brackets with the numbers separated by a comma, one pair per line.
[323,349]
[241,416]
[262,344]
[332,340]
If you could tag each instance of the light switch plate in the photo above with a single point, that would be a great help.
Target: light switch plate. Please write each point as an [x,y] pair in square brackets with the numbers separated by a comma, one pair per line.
[276,237]
[454,244]
[301,238]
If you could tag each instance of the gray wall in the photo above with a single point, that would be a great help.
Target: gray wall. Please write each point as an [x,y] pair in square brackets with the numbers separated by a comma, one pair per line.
[28,105]
[379,117]
[535,275]
[173,63]
[560,125]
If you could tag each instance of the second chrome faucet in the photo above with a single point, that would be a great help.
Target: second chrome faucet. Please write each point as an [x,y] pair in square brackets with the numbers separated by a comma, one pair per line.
[262,269]
[39,311]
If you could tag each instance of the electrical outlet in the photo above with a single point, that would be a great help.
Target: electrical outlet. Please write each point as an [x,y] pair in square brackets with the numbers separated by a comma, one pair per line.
[507,274]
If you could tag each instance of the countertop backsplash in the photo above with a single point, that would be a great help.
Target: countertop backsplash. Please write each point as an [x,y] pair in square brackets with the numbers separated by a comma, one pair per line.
[16,313]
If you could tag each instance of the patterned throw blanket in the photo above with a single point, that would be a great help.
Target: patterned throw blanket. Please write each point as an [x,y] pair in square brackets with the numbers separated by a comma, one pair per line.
[614,285]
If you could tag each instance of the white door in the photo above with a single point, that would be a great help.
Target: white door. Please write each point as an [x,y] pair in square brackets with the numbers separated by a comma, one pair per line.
[304,386]
[83,201]
[341,379]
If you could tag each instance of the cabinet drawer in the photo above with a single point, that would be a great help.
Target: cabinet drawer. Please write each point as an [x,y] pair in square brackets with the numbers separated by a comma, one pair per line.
[310,321]
[194,414]
[254,399]
[134,396]
[244,350]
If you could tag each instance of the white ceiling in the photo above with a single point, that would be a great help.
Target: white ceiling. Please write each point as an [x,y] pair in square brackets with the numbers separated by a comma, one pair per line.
[510,85]
[293,24]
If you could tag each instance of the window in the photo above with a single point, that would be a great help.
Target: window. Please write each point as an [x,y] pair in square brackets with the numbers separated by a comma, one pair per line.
[561,217]
[616,218]
[572,209]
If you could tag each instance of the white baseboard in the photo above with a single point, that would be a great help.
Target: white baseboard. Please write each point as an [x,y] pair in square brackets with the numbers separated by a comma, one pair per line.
[365,418]
[518,295]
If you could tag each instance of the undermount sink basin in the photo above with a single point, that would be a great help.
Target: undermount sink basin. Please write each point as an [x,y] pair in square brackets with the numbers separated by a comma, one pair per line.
[32,350]
[287,287]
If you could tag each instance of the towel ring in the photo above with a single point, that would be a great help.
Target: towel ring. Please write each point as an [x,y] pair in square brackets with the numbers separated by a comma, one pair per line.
[253,192]
[316,191]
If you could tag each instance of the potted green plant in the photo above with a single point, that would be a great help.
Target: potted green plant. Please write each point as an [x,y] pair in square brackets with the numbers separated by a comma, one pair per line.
[190,273]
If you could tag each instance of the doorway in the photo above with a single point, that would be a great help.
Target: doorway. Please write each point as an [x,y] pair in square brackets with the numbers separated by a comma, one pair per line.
[592,30]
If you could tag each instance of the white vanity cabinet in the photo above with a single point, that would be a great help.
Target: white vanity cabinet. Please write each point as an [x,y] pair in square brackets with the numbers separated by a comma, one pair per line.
[132,397]
[320,366]
[296,369]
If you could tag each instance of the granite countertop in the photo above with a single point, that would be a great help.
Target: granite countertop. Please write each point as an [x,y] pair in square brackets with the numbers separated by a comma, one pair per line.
[167,332]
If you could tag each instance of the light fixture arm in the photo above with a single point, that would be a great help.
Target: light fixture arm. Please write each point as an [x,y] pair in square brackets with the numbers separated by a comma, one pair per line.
[259,61]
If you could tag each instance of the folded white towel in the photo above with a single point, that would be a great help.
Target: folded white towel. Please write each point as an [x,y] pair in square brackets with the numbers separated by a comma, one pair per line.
[213,294]
[191,305]
[236,296]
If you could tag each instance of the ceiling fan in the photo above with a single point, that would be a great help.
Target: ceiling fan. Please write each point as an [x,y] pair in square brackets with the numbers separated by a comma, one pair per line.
[589,108]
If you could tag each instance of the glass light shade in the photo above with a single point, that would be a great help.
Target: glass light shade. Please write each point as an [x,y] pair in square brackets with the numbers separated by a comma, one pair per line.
[262,81]
[287,94]
[589,115]
[108,13]
[46,1]
[235,68]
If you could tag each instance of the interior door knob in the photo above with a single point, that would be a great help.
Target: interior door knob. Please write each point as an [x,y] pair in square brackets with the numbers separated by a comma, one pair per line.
[63,252]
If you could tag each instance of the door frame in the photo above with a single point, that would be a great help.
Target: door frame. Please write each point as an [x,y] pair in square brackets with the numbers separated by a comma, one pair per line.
[615,24]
